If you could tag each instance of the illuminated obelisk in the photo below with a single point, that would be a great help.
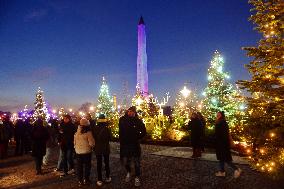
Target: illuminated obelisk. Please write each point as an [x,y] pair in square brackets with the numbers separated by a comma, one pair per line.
[142,73]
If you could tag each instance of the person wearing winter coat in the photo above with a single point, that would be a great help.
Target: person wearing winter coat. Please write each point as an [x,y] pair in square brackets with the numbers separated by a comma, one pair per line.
[223,152]
[131,131]
[39,139]
[102,136]
[196,127]
[83,143]
[65,139]
[4,139]
[19,137]
[50,144]
[9,130]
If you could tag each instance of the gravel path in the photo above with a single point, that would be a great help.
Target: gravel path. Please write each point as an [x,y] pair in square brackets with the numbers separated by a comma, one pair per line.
[158,172]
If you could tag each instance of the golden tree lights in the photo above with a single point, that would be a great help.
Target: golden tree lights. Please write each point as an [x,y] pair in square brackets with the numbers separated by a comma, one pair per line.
[265,114]
[186,103]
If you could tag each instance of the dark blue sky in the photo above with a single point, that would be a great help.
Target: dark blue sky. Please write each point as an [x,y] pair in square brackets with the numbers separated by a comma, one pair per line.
[66,46]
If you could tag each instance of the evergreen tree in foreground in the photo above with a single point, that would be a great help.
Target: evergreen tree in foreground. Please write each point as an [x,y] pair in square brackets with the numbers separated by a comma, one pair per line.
[265,120]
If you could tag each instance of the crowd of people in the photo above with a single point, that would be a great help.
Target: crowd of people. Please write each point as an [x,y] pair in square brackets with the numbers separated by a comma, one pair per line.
[79,139]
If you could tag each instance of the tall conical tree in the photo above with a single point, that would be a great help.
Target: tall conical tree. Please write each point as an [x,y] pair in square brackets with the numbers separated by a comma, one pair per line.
[105,101]
[219,94]
[40,110]
[265,121]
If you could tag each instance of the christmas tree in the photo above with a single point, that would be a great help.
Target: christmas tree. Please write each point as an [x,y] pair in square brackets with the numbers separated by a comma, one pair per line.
[185,104]
[105,101]
[265,120]
[219,94]
[40,110]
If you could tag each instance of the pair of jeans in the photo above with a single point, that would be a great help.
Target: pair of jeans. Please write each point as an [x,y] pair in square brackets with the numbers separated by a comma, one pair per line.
[230,163]
[99,166]
[84,166]
[38,162]
[59,163]
[136,160]
[46,158]
[67,159]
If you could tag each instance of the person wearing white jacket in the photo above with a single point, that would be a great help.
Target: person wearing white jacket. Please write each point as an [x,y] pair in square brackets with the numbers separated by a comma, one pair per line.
[83,143]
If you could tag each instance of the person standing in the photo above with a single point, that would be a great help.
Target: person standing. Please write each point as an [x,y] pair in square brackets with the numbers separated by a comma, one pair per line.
[196,127]
[19,137]
[4,138]
[83,143]
[66,142]
[39,139]
[102,135]
[223,152]
[131,131]
[9,128]
[50,144]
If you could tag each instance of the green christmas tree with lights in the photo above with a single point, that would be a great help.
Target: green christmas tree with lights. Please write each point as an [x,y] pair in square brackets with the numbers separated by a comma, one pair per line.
[264,127]
[40,110]
[186,103]
[220,95]
[105,102]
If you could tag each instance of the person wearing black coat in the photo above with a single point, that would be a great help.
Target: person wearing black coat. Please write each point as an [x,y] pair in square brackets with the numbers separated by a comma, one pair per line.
[66,142]
[102,137]
[131,131]
[19,137]
[223,152]
[39,139]
[196,127]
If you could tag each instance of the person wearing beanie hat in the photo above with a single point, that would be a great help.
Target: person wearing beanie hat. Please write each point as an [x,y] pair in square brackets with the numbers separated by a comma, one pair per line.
[131,131]
[83,143]
[102,148]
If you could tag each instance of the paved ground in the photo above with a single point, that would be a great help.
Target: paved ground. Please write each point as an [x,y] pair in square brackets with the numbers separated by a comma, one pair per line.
[160,170]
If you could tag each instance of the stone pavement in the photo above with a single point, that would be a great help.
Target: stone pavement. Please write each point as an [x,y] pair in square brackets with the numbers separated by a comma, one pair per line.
[186,152]
[159,171]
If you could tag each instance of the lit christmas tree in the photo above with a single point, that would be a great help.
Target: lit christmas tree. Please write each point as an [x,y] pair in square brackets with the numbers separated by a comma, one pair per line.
[185,104]
[219,94]
[141,103]
[105,101]
[265,120]
[41,110]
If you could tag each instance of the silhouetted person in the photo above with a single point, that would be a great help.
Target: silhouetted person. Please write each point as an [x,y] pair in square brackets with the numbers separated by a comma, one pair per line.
[39,138]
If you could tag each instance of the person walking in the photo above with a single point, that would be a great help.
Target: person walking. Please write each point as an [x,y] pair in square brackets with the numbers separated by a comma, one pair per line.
[102,148]
[223,152]
[65,139]
[196,127]
[131,131]
[83,143]
[39,139]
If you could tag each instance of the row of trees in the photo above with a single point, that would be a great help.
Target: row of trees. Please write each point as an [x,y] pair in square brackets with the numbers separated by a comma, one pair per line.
[257,119]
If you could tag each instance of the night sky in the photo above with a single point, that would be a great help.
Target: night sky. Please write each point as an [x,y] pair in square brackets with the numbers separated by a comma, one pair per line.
[67,46]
